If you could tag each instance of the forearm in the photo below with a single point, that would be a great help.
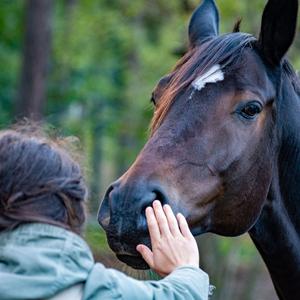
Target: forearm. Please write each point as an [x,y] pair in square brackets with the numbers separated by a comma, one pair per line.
[189,281]
[184,283]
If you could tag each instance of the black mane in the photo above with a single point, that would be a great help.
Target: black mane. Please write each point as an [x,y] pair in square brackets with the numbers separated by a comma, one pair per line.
[292,76]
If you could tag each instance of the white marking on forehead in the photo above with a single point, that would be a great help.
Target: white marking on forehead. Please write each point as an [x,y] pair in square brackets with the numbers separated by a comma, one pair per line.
[213,75]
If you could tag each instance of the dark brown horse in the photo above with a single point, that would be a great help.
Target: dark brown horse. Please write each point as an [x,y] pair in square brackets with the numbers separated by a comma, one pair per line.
[225,145]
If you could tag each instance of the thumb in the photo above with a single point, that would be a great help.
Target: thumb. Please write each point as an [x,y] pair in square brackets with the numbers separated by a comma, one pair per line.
[147,254]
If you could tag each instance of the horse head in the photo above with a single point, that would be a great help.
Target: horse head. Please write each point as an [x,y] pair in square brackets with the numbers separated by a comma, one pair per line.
[214,134]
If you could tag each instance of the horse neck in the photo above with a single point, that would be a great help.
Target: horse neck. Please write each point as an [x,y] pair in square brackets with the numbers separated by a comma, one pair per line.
[277,231]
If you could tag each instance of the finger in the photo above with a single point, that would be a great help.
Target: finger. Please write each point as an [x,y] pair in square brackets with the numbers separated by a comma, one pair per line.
[147,255]
[183,225]
[161,218]
[152,226]
[173,224]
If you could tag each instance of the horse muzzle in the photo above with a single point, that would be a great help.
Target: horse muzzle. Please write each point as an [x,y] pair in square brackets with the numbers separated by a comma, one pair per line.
[122,216]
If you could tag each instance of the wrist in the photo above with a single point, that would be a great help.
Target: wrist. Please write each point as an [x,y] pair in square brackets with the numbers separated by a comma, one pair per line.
[187,266]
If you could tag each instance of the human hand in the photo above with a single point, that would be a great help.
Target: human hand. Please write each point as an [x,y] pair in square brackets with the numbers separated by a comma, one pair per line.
[173,245]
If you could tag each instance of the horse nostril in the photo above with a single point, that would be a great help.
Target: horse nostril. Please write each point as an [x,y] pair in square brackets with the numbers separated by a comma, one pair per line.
[157,195]
[147,202]
[160,196]
[104,210]
[111,215]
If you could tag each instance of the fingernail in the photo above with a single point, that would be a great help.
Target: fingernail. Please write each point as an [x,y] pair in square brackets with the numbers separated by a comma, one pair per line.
[156,203]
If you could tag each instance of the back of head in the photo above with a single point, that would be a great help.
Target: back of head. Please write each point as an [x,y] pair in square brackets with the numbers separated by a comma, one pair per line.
[39,182]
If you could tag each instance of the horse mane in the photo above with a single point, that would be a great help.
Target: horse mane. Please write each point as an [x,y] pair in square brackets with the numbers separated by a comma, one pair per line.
[289,128]
[291,75]
[237,25]
[224,50]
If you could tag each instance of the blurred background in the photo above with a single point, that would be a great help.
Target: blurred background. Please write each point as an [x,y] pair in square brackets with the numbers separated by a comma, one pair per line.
[88,67]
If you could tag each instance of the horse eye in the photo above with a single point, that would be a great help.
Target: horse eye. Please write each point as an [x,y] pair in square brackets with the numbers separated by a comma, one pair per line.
[250,110]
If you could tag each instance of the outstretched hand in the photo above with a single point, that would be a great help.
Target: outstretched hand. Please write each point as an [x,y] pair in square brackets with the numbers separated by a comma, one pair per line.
[173,245]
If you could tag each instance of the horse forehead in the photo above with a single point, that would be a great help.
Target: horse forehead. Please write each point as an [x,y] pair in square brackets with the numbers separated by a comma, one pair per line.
[252,76]
[212,75]
[249,74]
[252,69]
[249,71]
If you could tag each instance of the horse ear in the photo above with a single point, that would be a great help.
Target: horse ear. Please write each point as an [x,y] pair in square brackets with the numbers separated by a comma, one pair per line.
[204,23]
[278,29]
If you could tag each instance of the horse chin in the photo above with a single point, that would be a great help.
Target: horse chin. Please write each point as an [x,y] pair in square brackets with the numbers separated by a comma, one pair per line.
[199,231]
[135,262]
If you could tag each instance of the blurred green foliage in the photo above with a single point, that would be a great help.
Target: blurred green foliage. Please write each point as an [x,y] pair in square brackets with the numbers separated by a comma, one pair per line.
[96,238]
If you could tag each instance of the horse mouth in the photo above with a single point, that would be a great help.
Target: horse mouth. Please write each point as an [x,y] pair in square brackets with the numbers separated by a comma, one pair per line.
[135,262]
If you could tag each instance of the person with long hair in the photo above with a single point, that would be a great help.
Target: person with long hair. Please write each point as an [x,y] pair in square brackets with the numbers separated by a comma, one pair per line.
[43,196]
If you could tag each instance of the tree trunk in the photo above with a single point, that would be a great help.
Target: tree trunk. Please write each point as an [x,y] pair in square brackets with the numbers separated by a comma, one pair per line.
[96,127]
[32,93]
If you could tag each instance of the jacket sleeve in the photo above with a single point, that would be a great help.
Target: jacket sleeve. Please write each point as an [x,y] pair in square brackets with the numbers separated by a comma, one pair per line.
[185,283]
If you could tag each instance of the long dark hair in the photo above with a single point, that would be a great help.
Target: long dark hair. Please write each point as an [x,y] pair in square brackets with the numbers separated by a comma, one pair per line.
[39,182]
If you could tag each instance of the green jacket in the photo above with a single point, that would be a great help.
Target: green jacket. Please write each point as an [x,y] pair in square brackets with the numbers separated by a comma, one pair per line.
[38,261]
